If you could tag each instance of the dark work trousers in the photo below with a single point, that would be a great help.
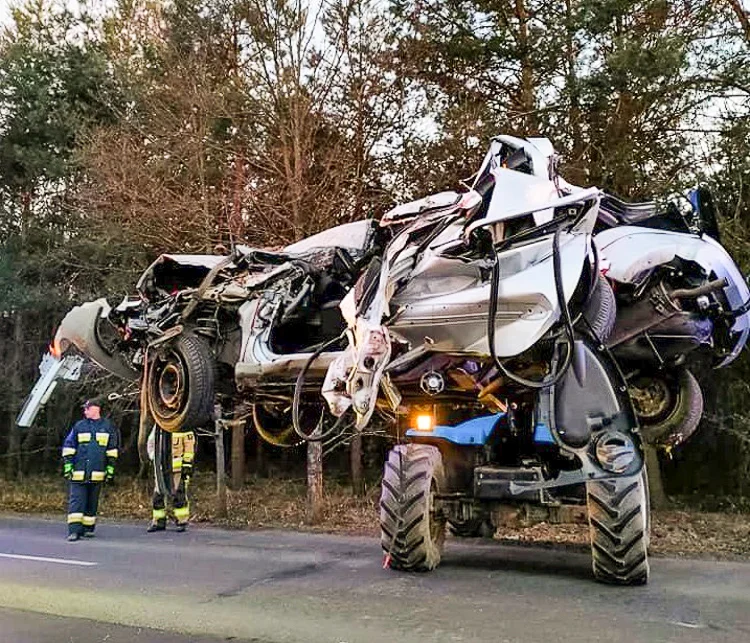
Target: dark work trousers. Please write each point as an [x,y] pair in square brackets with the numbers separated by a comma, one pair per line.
[83,501]
[180,505]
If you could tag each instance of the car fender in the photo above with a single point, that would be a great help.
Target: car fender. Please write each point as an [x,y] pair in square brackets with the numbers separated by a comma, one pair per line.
[629,251]
[80,329]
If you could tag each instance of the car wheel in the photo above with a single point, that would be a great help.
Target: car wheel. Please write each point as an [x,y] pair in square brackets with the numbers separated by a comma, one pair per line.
[180,384]
[601,309]
[669,406]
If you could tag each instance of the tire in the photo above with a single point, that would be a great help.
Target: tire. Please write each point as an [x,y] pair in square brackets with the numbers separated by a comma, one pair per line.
[601,309]
[619,517]
[181,380]
[274,428]
[412,529]
[467,528]
[669,407]
[646,506]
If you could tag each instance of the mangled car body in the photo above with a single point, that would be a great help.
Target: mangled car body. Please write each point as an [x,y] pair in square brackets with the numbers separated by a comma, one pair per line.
[521,339]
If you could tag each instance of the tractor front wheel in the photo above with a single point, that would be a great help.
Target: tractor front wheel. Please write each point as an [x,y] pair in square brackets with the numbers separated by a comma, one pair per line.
[412,523]
[619,516]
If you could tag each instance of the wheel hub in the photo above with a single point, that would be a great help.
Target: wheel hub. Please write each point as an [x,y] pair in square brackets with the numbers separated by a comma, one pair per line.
[651,397]
[171,385]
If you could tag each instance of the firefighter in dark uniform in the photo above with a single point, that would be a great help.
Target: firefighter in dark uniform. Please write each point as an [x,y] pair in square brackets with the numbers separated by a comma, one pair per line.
[177,458]
[89,457]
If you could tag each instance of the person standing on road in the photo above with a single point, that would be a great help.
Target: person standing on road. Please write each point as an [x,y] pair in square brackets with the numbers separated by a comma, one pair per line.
[89,455]
[177,458]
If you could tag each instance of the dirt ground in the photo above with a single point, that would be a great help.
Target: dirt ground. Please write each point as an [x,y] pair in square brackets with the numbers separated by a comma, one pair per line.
[280,503]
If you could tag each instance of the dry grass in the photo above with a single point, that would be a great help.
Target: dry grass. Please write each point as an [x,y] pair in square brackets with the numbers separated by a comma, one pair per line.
[673,533]
[262,503]
[280,503]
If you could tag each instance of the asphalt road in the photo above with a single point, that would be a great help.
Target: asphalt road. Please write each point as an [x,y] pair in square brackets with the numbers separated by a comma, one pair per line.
[281,587]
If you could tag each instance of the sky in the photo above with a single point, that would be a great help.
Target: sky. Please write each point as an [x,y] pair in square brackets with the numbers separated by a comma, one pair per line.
[4,12]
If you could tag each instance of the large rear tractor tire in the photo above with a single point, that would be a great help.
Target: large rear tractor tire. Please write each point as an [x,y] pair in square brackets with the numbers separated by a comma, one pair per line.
[669,406]
[619,516]
[180,384]
[411,522]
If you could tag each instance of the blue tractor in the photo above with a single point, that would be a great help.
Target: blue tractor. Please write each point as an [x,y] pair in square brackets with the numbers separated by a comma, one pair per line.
[575,443]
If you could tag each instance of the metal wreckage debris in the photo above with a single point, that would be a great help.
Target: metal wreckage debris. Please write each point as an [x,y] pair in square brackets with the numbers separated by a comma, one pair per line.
[520,340]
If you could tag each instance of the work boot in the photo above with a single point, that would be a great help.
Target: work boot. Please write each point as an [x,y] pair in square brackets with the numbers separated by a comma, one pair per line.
[156,526]
[89,534]
[181,526]
[73,537]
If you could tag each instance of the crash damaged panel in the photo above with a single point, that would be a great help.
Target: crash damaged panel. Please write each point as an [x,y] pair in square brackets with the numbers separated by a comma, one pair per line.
[86,327]
[51,369]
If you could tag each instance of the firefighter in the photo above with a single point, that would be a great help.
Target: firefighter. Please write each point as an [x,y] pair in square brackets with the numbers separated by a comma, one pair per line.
[177,466]
[89,457]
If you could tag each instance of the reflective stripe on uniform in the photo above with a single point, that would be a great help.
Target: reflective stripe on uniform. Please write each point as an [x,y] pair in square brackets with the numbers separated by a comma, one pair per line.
[176,464]
[78,476]
[102,439]
[89,521]
[97,476]
[187,458]
[181,512]
[84,437]
[68,451]
[111,453]
[159,514]
[75,517]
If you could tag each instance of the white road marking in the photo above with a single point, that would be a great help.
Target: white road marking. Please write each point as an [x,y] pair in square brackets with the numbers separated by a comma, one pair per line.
[44,559]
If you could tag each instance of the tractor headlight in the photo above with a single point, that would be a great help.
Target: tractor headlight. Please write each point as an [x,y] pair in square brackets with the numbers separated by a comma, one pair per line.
[424,422]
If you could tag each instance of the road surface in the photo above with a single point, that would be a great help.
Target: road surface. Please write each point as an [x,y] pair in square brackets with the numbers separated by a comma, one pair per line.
[212,585]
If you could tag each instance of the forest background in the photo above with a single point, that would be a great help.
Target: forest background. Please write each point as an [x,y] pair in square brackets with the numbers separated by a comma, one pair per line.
[134,127]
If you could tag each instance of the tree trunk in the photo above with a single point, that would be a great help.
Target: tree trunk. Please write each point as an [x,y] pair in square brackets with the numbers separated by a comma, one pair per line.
[238,455]
[526,97]
[314,481]
[355,458]
[16,384]
[574,171]
[221,478]
[656,491]
[742,15]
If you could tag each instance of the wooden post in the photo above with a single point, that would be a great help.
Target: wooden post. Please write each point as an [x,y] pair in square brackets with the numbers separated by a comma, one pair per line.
[238,455]
[355,458]
[656,491]
[221,479]
[314,480]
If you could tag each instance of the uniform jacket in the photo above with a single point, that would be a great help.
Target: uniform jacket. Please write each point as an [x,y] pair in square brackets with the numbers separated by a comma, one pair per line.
[182,451]
[90,446]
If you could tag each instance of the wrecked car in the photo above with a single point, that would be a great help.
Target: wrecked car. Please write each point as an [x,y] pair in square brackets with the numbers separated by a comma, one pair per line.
[480,328]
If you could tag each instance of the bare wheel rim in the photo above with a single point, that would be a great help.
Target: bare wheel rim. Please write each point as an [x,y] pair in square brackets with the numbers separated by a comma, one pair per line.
[169,387]
[652,398]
